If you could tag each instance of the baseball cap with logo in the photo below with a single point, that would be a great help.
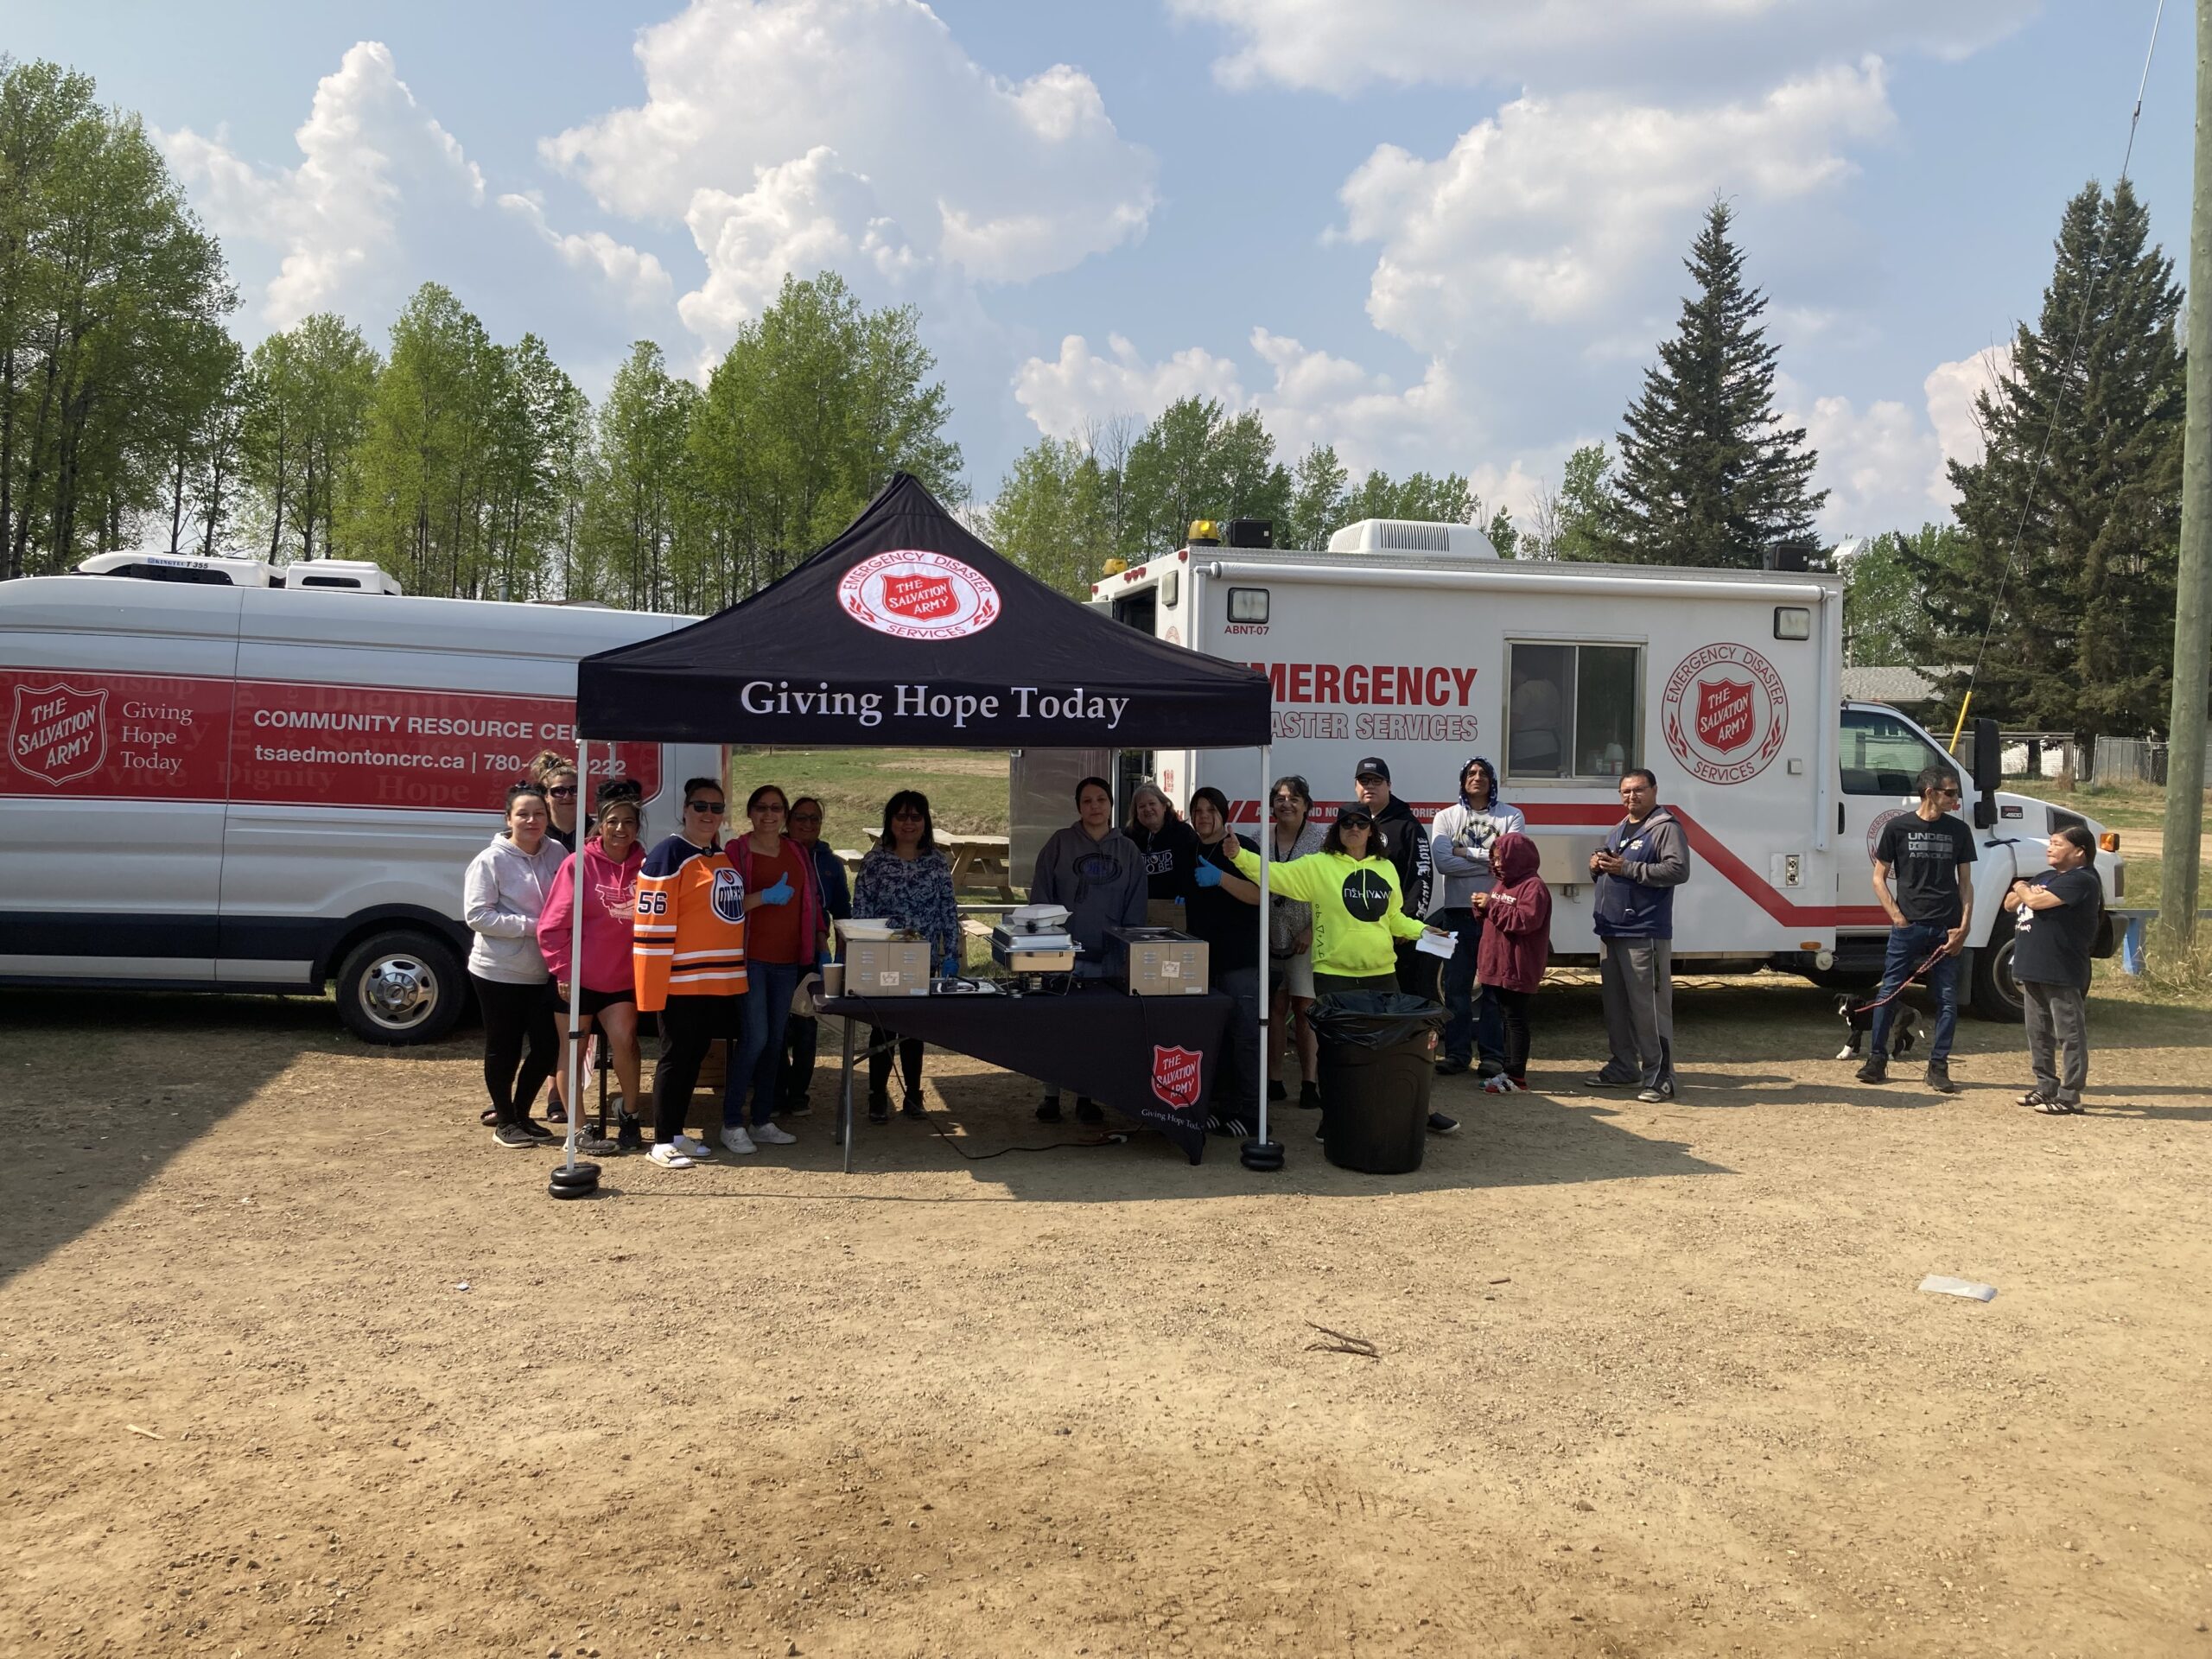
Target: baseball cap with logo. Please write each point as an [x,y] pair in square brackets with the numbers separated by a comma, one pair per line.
[1373,766]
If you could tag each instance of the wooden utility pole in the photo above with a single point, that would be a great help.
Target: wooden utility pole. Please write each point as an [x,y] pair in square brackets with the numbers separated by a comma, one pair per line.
[2177,893]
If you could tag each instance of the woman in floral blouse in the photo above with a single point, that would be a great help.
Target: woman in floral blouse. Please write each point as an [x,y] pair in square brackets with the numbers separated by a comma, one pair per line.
[904,880]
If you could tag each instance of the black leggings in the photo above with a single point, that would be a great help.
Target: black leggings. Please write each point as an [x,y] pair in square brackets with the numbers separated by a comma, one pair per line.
[1514,1007]
[516,1017]
[879,1062]
[691,1025]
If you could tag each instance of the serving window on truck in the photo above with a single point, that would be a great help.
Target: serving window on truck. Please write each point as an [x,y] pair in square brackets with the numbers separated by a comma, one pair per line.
[1574,711]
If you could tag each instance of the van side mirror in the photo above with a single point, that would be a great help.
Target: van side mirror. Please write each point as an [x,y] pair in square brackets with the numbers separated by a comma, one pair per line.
[1989,773]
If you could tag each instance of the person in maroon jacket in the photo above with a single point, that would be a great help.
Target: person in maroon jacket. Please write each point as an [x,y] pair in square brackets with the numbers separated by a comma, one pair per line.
[1516,945]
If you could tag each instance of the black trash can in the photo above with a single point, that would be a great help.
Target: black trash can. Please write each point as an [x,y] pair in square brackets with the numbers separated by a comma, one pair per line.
[1378,1058]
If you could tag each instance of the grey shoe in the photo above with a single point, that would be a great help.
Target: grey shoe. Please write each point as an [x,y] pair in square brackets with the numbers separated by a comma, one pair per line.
[1939,1077]
[1607,1080]
[513,1137]
[1665,1091]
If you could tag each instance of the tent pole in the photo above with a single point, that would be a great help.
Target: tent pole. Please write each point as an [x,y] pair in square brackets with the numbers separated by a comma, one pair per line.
[571,1072]
[1261,1153]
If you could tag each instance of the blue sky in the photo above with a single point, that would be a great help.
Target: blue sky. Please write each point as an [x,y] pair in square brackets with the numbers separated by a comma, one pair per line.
[1439,233]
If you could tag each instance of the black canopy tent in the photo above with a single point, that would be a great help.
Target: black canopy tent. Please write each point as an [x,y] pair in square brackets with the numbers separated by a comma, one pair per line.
[907,630]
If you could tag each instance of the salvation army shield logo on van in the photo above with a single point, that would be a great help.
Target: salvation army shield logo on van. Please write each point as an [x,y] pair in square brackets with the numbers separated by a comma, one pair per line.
[912,595]
[1725,713]
[58,732]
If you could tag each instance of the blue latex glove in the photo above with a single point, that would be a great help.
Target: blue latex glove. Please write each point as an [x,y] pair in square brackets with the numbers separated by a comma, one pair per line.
[948,969]
[822,957]
[778,895]
[1207,875]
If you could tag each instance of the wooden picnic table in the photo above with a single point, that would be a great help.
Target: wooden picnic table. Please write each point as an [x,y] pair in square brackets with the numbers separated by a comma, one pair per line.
[980,864]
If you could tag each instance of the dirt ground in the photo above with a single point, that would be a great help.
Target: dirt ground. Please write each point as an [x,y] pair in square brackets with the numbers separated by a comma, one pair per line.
[294,1360]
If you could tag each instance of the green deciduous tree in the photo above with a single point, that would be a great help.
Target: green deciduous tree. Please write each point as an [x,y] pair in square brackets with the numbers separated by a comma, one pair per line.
[1197,462]
[1885,587]
[1708,473]
[2078,622]
[110,296]
[1051,516]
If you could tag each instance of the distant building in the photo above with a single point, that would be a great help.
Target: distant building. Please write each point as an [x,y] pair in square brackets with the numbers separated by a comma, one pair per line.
[1908,690]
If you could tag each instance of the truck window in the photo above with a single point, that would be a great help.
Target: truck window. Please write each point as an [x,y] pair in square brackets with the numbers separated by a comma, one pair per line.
[1882,755]
[1572,711]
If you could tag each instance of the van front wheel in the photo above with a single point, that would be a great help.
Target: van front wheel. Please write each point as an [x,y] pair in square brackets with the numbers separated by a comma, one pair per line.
[1995,994]
[399,988]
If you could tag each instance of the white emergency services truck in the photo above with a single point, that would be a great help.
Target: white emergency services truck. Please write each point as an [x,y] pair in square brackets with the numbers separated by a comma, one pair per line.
[213,783]
[1416,642]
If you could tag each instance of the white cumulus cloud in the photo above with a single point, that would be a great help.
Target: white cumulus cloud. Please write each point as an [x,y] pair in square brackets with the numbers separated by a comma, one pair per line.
[1329,45]
[789,135]
[366,147]
[636,278]
[1554,208]
[1886,465]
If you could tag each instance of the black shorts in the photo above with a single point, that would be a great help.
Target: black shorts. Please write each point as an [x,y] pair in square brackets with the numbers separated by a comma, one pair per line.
[590,1002]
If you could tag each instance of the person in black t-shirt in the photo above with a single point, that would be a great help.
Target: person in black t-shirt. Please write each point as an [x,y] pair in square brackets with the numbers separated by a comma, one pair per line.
[1928,851]
[2054,929]
[1224,911]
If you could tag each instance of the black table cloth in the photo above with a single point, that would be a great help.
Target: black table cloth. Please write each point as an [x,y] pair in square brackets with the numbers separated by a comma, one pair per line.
[1152,1059]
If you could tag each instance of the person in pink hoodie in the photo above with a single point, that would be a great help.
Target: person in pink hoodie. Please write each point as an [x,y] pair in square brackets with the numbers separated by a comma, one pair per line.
[1516,946]
[608,1001]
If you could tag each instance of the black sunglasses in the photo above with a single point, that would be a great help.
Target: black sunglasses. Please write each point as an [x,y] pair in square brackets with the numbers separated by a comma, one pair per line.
[1348,821]
[568,794]
[713,807]
[805,818]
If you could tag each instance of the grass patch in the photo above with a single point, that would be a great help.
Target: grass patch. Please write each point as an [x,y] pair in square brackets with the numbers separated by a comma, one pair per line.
[967,788]
[2117,806]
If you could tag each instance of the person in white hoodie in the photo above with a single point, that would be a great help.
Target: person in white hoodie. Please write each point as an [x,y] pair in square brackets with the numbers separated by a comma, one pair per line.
[502,898]
[1463,834]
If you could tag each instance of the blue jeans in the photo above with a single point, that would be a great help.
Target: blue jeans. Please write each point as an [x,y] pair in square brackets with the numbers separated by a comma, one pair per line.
[1909,946]
[758,1054]
[1473,1023]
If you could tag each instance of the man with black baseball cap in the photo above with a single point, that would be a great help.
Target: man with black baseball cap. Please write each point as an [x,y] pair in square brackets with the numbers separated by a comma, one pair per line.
[1405,844]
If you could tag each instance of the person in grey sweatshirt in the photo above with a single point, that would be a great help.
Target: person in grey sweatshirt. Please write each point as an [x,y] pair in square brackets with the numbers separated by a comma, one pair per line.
[1644,859]
[1098,874]
[502,897]
[1463,834]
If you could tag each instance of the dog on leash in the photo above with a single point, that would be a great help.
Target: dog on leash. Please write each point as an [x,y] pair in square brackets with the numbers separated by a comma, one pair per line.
[1858,1017]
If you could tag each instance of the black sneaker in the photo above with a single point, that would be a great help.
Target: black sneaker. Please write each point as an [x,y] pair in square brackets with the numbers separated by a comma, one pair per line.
[1607,1080]
[1440,1124]
[1088,1111]
[1049,1110]
[1875,1070]
[913,1105]
[797,1106]
[878,1108]
[513,1137]
[1276,1090]
[1450,1068]
[1939,1077]
[537,1131]
[1309,1096]
[592,1144]
[629,1133]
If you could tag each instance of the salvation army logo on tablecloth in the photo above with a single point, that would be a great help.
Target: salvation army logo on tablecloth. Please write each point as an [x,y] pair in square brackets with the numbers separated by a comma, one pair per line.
[57,731]
[1725,713]
[912,595]
[1175,1076]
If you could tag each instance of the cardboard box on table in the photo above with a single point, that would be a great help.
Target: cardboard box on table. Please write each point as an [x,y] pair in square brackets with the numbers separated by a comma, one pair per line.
[885,967]
[1161,961]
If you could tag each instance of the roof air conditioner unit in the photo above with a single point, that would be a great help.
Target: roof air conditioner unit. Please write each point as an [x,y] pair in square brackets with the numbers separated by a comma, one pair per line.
[1412,536]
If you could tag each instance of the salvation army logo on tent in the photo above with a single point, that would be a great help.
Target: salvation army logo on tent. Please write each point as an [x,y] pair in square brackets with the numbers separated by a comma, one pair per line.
[912,595]
[1175,1076]
[1725,713]
[58,732]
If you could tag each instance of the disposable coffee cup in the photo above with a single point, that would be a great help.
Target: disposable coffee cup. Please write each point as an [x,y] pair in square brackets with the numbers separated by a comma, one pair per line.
[833,980]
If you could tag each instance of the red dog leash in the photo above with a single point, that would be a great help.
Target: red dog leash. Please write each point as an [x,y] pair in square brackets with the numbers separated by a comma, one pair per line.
[1940,952]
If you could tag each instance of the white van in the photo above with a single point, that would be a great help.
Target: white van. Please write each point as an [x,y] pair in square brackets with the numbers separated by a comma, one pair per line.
[1417,643]
[215,784]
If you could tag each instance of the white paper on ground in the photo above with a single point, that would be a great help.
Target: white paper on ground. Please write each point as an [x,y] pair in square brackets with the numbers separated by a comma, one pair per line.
[1944,1285]
[1432,944]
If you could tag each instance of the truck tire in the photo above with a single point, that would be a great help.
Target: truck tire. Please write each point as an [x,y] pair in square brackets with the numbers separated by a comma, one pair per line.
[1994,993]
[399,988]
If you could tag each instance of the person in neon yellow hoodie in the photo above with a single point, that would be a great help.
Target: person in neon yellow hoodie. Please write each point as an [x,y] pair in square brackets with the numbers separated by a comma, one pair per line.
[1354,892]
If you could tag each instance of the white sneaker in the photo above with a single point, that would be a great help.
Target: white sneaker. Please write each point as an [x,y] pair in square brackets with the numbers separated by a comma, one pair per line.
[735,1140]
[769,1134]
[668,1157]
[698,1151]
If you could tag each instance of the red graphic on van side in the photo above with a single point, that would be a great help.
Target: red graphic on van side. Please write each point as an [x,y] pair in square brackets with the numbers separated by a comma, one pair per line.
[1724,714]
[58,732]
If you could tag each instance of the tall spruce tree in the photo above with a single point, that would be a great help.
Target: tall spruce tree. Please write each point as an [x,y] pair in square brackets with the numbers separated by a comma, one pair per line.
[2082,637]
[1708,474]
